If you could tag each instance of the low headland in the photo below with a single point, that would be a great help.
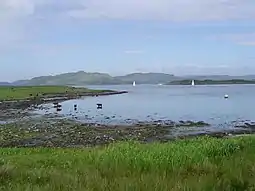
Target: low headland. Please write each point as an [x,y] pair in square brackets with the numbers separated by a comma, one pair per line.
[211,82]
[26,96]
[46,153]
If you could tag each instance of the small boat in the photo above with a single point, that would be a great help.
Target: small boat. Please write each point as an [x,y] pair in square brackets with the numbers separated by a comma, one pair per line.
[160,84]
[134,83]
[193,83]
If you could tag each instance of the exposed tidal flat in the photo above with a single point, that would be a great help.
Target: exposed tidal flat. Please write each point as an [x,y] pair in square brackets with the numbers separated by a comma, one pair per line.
[145,114]
[42,149]
[161,104]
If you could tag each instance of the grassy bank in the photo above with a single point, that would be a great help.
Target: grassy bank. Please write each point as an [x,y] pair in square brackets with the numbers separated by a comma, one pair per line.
[28,92]
[200,164]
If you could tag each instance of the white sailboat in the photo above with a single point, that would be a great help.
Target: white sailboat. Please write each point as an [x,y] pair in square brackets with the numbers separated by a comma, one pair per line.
[193,83]
[134,83]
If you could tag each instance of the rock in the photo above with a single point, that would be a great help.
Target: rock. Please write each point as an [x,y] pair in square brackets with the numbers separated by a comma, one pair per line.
[111,139]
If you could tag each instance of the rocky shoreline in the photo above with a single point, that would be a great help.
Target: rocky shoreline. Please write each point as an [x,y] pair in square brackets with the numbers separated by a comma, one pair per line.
[45,132]
[18,109]
[25,130]
[35,101]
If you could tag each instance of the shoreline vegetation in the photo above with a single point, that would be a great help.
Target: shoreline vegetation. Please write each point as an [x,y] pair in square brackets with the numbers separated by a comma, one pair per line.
[58,154]
[196,164]
[16,93]
[27,96]
[211,82]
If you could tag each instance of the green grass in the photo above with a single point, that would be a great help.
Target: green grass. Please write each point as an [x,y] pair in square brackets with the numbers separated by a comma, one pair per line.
[26,92]
[199,164]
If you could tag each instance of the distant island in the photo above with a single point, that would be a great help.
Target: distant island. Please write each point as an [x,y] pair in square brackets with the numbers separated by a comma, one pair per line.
[5,84]
[82,78]
[211,82]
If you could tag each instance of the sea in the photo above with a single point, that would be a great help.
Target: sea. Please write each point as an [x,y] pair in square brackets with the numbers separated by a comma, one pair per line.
[148,103]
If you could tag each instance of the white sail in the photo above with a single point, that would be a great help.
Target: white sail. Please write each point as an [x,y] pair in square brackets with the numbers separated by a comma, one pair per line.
[134,83]
[193,83]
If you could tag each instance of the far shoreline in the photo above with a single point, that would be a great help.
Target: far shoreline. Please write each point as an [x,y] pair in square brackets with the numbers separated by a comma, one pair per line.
[212,82]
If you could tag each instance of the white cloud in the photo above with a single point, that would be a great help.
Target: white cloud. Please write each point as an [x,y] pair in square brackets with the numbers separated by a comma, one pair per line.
[13,9]
[18,16]
[14,14]
[174,10]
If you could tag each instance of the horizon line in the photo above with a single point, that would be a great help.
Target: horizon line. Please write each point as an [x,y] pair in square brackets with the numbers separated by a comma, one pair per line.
[184,75]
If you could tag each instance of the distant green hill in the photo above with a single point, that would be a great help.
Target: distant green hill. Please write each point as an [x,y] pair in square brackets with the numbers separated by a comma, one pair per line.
[211,82]
[85,78]
[77,78]
[4,84]
[146,78]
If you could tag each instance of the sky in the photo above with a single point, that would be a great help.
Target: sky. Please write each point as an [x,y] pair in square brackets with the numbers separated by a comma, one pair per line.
[47,37]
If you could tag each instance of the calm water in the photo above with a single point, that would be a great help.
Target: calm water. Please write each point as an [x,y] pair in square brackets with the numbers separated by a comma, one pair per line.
[152,102]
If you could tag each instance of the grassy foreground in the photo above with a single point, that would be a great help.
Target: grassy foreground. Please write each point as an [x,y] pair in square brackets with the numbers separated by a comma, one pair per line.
[27,92]
[199,164]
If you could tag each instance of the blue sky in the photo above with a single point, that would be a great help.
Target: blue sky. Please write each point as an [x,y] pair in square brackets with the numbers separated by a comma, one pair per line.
[42,37]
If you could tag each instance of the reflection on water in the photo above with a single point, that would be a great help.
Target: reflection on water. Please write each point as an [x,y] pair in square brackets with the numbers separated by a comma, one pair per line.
[152,102]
